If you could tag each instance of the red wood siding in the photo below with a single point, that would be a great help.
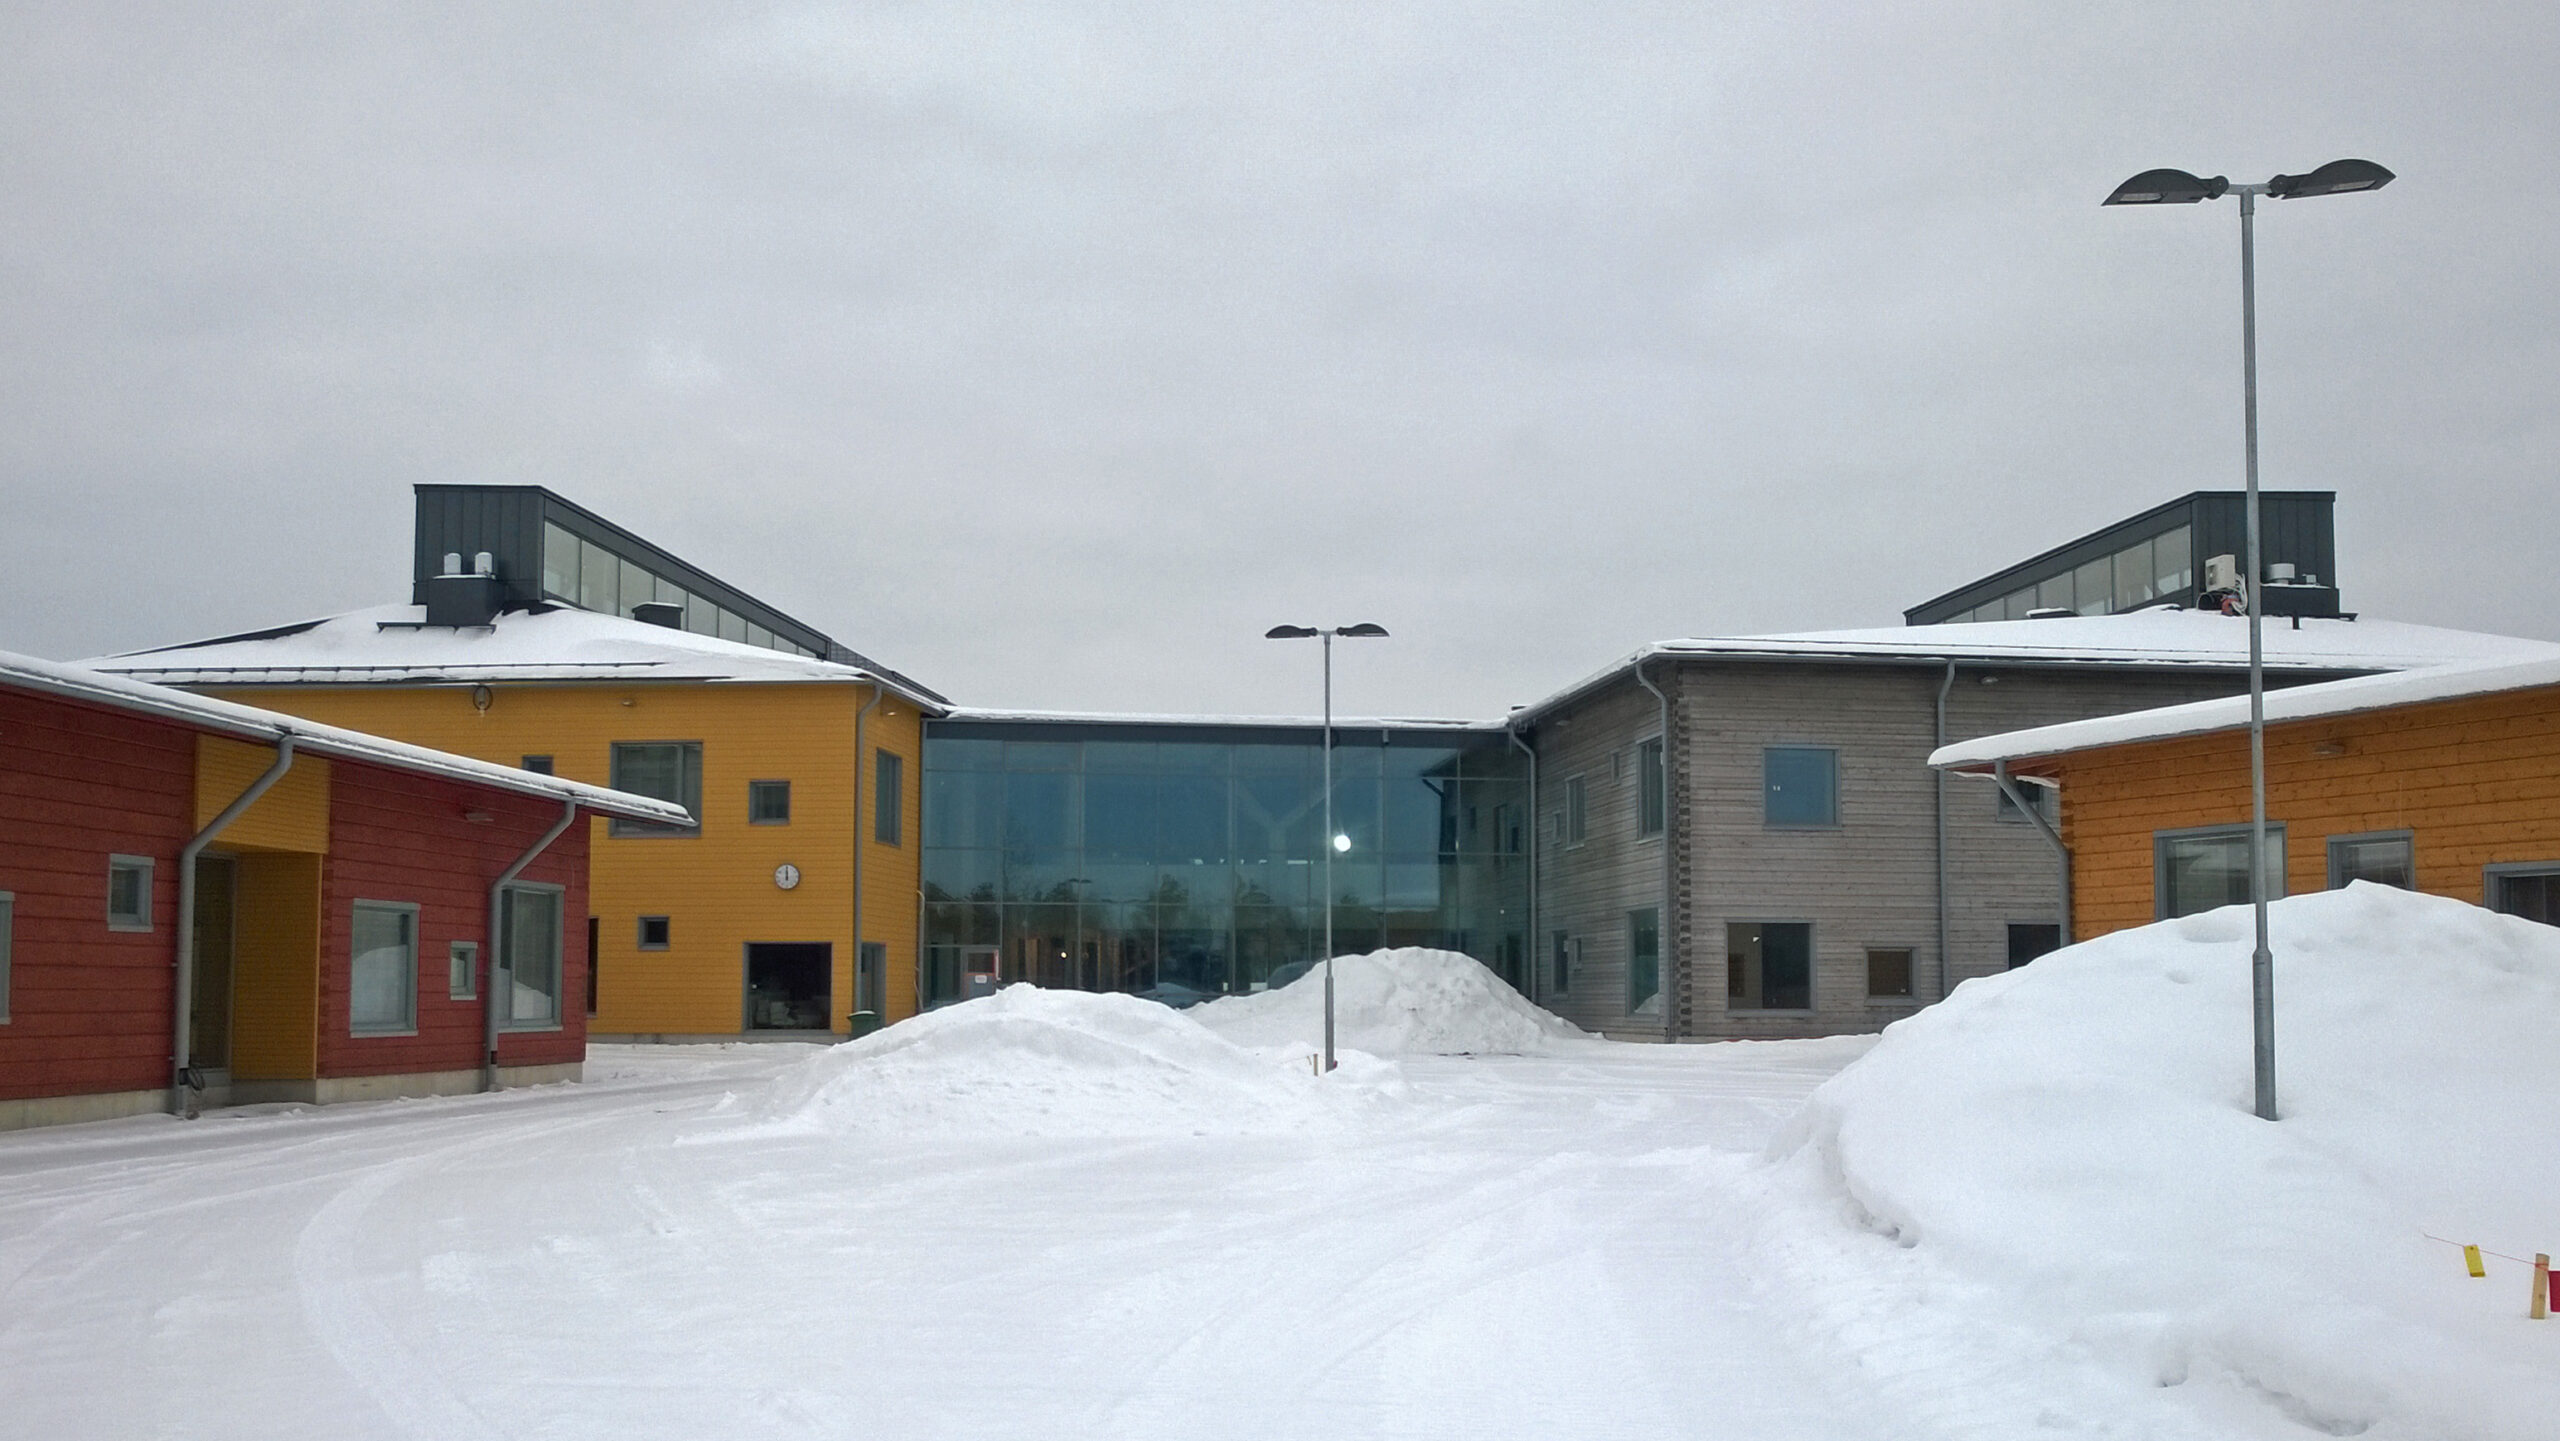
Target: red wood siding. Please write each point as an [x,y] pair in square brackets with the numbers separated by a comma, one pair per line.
[396,836]
[88,1007]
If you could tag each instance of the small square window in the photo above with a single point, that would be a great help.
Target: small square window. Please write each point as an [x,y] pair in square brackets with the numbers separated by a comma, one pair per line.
[654,931]
[539,765]
[1889,973]
[661,770]
[2388,860]
[768,803]
[2200,870]
[462,963]
[2030,939]
[129,893]
[1800,786]
[2043,798]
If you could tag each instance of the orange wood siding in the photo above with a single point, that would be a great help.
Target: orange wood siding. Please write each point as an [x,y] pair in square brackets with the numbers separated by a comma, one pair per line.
[2476,782]
[275,986]
[292,816]
[716,888]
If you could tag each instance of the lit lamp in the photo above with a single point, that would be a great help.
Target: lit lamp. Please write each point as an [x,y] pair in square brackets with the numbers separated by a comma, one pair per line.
[1333,841]
[2177,187]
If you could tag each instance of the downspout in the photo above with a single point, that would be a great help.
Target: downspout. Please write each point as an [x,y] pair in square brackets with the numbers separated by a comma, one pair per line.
[489,968]
[877,691]
[1666,943]
[182,1048]
[1943,687]
[2061,852]
[1530,953]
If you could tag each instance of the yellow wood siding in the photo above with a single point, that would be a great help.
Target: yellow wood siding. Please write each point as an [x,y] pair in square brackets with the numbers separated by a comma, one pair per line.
[292,816]
[716,888]
[2476,782]
[275,987]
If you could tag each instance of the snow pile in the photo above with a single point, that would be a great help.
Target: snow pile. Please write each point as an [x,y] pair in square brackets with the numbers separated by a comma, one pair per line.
[1033,1062]
[1409,1001]
[2066,1163]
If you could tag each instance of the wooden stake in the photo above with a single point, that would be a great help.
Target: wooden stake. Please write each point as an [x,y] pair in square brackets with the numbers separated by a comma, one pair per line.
[2541,1286]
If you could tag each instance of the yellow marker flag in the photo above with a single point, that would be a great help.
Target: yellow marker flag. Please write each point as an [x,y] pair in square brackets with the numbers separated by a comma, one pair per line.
[2471,1258]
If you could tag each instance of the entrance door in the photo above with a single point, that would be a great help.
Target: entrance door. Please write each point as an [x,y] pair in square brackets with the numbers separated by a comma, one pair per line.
[209,1015]
[789,984]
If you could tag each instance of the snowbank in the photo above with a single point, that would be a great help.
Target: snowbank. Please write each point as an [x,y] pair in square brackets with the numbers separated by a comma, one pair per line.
[2066,1164]
[1029,1062]
[1410,1001]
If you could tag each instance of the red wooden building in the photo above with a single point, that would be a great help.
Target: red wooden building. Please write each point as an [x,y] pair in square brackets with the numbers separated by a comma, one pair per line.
[202,903]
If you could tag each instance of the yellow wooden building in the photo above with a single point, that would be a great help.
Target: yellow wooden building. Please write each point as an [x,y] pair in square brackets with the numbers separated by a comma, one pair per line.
[789,906]
[2444,780]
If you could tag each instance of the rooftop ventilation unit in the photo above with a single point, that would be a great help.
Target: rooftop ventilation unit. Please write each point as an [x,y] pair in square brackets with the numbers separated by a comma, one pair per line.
[459,598]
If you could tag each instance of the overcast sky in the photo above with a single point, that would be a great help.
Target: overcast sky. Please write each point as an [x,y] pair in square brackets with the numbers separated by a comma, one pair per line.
[1054,352]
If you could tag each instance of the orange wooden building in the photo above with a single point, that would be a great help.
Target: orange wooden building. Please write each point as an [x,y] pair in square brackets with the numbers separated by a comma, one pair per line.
[2444,780]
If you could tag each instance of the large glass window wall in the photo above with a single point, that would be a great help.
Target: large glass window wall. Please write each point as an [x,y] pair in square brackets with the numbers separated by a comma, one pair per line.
[579,572]
[2150,571]
[1118,858]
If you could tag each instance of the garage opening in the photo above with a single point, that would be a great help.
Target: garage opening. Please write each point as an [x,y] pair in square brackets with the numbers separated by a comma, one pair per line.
[788,984]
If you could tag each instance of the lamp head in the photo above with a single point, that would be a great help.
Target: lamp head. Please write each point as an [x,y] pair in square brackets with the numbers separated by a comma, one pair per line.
[1363,629]
[1291,632]
[2335,178]
[2167,187]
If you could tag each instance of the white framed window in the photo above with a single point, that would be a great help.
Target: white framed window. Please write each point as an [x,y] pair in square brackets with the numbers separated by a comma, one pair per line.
[462,967]
[661,770]
[1577,811]
[655,933]
[382,969]
[528,982]
[768,803]
[1800,787]
[129,893]
[2387,858]
[8,928]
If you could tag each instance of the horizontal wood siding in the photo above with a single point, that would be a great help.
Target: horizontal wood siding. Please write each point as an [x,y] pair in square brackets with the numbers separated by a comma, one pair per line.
[89,1007]
[1588,890]
[400,837]
[2476,782]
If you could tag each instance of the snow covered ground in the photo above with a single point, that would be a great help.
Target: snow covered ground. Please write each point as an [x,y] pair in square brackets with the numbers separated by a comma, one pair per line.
[2037,1210]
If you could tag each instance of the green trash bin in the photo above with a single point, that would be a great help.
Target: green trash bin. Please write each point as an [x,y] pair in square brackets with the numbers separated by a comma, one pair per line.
[863,1023]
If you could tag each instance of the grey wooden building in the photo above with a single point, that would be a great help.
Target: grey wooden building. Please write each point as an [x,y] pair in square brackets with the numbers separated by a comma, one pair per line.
[1742,837]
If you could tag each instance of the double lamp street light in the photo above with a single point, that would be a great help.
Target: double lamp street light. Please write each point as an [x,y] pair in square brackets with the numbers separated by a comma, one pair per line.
[2177,187]
[1332,840]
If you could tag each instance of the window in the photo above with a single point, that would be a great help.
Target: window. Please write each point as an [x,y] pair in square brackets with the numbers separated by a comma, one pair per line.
[2530,891]
[1644,959]
[662,770]
[382,969]
[2386,858]
[529,958]
[559,563]
[539,765]
[889,804]
[8,925]
[768,803]
[1889,973]
[1649,797]
[1768,966]
[595,926]
[462,966]
[2199,870]
[2043,798]
[128,893]
[654,931]
[2030,939]
[1801,786]
[1577,811]
[1562,982]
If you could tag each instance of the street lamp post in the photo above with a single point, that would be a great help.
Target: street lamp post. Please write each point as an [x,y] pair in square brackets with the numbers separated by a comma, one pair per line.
[2177,187]
[1332,842]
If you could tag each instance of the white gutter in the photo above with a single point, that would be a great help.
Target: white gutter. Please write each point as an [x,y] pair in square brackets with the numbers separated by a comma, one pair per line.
[182,1079]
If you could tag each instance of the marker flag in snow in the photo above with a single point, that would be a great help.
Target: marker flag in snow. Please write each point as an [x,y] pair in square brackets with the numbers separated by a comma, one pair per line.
[2471,1258]
[2541,1287]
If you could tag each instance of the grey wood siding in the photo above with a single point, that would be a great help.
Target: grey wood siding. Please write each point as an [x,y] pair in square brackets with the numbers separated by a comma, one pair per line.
[1869,881]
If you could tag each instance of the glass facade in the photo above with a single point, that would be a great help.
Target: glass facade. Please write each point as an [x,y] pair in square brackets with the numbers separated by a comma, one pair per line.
[2151,570]
[579,572]
[1187,861]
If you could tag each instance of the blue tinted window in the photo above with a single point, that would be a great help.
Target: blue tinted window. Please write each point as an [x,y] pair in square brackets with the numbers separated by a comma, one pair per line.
[1039,811]
[1801,786]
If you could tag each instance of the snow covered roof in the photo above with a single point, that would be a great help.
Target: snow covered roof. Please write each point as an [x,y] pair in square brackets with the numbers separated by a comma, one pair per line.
[80,683]
[393,645]
[2306,702]
[2159,639]
[1299,722]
